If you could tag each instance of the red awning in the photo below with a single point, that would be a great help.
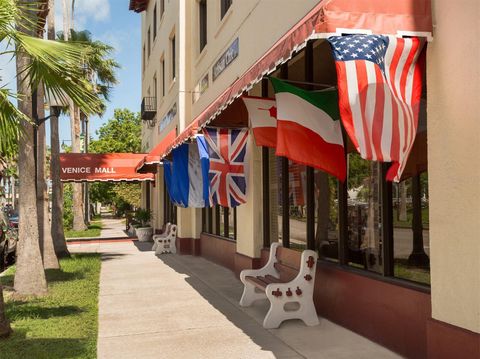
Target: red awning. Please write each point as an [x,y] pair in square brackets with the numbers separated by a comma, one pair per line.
[149,163]
[138,5]
[107,167]
[329,17]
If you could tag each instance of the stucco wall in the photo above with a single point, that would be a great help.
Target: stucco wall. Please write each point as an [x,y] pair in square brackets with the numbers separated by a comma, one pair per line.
[453,80]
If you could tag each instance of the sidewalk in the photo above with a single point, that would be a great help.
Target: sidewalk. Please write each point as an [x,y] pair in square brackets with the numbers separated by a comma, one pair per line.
[187,307]
[113,227]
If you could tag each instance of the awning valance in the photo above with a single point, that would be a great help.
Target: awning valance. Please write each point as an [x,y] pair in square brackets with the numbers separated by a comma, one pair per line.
[149,163]
[329,17]
[106,167]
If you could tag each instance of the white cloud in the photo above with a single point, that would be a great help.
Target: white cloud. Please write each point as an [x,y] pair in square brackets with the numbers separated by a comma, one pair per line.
[85,10]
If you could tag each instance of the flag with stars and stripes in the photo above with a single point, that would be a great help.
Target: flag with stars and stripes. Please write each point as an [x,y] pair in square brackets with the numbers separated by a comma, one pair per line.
[379,87]
[227,150]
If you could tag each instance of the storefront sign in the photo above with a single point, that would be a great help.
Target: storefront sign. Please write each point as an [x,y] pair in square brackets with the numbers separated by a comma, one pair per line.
[167,118]
[201,87]
[226,59]
[81,167]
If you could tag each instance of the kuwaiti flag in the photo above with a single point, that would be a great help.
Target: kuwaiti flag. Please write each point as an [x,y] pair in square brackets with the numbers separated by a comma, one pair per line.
[262,113]
[189,175]
[308,129]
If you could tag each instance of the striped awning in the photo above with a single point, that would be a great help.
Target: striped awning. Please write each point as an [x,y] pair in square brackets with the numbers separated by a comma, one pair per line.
[327,18]
[149,163]
[105,167]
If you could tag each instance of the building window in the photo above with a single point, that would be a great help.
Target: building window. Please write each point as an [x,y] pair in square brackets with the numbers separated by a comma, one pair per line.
[169,209]
[155,22]
[162,66]
[224,6]
[220,221]
[155,86]
[147,196]
[202,7]
[162,8]
[172,45]
[144,58]
[366,223]
[149,42]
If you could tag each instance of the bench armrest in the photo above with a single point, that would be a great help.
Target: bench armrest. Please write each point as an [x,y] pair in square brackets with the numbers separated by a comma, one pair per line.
[305,279]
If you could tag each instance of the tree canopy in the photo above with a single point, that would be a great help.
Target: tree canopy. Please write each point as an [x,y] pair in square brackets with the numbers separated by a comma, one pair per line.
[122,133]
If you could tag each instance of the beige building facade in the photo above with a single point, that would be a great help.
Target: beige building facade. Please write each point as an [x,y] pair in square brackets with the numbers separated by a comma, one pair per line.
[194,50]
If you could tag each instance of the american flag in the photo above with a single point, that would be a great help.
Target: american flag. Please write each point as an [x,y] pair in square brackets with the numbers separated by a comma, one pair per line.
[379,87]
[227,149]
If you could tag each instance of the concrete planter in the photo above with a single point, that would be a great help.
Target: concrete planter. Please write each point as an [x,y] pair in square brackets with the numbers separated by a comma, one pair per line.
[144,234]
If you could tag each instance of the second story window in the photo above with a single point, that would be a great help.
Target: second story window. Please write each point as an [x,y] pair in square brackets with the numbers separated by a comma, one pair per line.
[155,86]
[155,22]
[224,6]
[172,41]
[202,7]
[149,41]
[144,57]
[162,66]
[162,8]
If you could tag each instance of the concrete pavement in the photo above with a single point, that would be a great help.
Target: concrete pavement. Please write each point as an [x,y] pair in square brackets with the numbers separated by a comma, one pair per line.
[187,307]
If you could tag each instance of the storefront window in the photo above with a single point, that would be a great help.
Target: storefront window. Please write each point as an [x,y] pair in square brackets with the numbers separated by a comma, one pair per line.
[326,215]
[411,229]
[364,214]
[297,192]
[220,221]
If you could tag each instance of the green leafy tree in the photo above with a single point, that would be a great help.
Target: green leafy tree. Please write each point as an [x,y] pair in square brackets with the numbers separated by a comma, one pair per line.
[54,67]
[120,134]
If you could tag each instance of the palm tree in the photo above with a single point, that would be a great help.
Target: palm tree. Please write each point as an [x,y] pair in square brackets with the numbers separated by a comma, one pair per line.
[5,328]
[57,66]
[100,69]
[57,233]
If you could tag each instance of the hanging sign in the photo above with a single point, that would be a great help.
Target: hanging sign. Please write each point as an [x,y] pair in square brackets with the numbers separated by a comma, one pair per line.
[226,59]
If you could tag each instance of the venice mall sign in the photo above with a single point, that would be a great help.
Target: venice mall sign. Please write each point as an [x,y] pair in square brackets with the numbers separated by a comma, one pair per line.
[80,167]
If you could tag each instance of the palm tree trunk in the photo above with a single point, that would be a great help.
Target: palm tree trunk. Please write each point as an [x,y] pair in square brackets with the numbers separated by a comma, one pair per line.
[50,260]
[58,236]
[78,218]
[29,275]
[5,328]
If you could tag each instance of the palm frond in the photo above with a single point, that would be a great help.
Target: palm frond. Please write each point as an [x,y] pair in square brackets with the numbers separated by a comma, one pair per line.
[58,66]
[10,118]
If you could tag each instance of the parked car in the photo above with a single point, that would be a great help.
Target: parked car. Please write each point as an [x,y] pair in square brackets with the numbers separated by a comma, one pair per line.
[8,241]
[13,219]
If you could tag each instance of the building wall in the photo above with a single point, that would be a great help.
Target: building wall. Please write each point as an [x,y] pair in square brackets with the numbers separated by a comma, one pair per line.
[250,21]
[453,73]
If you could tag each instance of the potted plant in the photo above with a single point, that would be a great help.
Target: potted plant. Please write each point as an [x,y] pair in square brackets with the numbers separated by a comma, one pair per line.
[144,231]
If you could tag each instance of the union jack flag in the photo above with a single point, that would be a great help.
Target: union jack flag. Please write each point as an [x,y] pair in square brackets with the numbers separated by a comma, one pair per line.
[227,149]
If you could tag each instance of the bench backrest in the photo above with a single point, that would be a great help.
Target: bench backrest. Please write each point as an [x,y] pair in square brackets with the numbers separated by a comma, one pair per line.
[287,263]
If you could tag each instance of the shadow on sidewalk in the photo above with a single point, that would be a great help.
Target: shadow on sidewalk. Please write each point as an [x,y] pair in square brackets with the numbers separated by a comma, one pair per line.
[211,287]
[143,246]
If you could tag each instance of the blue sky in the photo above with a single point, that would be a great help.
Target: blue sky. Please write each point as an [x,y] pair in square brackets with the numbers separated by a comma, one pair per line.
[110,21]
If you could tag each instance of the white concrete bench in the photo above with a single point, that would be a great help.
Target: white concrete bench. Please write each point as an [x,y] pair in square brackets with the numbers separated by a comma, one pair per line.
[165,242]
[267,282]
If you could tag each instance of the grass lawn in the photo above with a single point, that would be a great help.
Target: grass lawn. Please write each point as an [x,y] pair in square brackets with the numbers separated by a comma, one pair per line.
[62,324]
[93,231]
[408,222]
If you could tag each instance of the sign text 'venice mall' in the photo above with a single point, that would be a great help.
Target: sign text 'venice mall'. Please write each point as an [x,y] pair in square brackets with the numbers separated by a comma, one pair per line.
[88,170]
